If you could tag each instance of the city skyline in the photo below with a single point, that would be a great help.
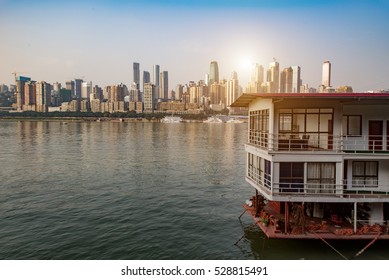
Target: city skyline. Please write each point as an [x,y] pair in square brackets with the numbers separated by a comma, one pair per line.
[99,40]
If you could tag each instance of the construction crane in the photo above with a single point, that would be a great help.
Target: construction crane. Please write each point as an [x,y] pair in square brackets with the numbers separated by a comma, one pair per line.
[17,73]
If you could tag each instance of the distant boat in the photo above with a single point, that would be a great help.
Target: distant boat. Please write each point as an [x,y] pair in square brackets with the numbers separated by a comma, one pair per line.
[213,119]
[234,121]
[171,119]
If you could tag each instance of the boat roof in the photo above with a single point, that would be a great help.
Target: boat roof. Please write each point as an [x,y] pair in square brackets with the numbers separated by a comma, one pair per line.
[246,98]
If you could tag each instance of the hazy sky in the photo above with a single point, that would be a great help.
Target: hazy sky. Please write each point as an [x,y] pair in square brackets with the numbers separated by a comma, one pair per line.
[99,40]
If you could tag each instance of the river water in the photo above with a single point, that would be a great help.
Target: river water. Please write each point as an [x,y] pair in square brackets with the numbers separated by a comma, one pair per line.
[105,190]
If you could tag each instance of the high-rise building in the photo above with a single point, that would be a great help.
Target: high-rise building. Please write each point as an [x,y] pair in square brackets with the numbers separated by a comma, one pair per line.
[256,79]
[213,73]
[146,77]
[29,93]
[296,80]
[156,76]
[149,97]
[273,77]
[286,80]
[20,82]
[86,90]
[164,86]
[179,91]
[134,93]
[232,89]
[136,72]
[326,75]
[43,96]
[70,86]
[77,88]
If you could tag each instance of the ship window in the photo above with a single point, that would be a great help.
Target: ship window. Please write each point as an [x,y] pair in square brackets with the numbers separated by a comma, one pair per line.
[352,125]
[291,176]
[321,177]
[365,174]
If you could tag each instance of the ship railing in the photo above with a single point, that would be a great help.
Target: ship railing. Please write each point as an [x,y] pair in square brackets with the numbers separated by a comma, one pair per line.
[372,222]
[259,178]
[317,141]
[326,189]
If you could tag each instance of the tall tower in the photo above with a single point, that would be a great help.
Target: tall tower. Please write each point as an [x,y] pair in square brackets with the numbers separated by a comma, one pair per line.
[164,86]
[86,90]
[213,73]
[77,88]
[149,97]
[146,77]
[273,77]
[232,89]
[286,80]
[43,96]
[256,79]
[136,72]
[326,75]
[156,80]
[296,80]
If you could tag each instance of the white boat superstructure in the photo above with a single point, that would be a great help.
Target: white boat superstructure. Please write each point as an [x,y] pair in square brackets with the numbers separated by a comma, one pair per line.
[320,157]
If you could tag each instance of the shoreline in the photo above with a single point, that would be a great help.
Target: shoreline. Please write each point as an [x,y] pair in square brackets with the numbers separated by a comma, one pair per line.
[89,119]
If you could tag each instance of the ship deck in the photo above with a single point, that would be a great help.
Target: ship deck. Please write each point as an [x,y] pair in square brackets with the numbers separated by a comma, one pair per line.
[314,228]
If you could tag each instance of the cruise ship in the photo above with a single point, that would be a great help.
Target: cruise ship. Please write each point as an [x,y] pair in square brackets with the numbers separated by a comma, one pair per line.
[319,164]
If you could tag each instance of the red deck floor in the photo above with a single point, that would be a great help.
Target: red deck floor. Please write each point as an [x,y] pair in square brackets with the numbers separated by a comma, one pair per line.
[329,233]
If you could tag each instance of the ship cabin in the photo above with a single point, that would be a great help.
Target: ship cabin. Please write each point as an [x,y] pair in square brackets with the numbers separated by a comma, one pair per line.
[319,164]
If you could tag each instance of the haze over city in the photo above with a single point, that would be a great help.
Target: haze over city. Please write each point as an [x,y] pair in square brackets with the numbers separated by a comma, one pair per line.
[99,40]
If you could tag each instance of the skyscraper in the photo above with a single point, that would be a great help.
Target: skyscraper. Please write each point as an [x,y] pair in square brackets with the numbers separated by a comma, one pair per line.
[146,77]
[213,73]
[70,86]
[232,89]
[296,80]
[164,86]
[286,80]
[326,75]
[256,79]
[77,88]
[149,97]
[43,96]
[273,77]
[136,72]
[86,90]
[156,74]
[20,82]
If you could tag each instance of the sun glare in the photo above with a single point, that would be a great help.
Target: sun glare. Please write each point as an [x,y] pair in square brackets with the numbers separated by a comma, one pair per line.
[245,62]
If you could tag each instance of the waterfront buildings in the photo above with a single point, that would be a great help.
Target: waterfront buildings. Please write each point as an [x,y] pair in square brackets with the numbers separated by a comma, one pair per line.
[319,164]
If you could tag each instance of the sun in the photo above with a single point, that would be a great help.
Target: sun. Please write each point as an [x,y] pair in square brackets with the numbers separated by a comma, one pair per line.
[245,62]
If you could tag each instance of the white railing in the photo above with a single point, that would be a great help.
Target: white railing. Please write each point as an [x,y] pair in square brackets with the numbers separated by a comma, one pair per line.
[316,189]
[318,141]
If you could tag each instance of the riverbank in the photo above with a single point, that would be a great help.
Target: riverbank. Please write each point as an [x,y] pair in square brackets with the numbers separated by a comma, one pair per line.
[88,119]
[79,119]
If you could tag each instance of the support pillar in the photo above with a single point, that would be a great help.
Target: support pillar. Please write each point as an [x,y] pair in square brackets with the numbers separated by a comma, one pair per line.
[355,216]
[286,216]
